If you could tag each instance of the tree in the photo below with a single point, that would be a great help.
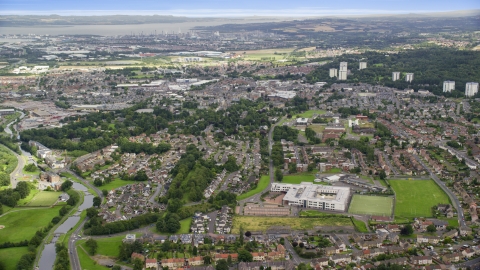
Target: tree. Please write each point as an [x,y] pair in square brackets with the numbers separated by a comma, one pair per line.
[382,175]
[92,212]
[248,234]
[229,260]
[194,251]
[30,167]
[221,265]
[22,189]
[278,175]
[116,267]
[137,264]
[92,246]
[244,256]
[105,192]
[431,228]
[66,185]
[172,225]
[294,244]
[407,230]
[207,259]
[97,201]
[302,266]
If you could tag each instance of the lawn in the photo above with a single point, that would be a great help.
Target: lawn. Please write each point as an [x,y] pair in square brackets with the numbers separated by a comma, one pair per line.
[313,213]
[11,256]
[371,205]
[295,223]
[262,184]
[85,261]
[109,246]
[26,200]
[22,225]
[317,128]
[415,198]
[185,226]
[298,178]
[310,113]
[44,198]
[360,225]
[334,170]
[116,184]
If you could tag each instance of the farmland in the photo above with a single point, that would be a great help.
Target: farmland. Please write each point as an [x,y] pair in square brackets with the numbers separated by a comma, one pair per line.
[416,198]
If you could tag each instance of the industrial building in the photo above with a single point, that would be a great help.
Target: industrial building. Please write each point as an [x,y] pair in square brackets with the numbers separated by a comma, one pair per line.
[7,111]
[310,195]
[448,86]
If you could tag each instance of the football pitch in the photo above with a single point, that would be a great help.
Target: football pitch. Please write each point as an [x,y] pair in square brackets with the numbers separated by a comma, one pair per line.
[415,198]
[371,205]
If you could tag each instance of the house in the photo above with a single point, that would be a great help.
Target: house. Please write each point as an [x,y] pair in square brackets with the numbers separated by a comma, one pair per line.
[450,234]
[428,239]
[440,225]
[464,230]
[339,258]
[281,265]
[320,262]
[468,253]
[137,256]
[224,256]
[195,261]
[173,263]
[421,260]
[258,256]
[151,263]
[398,261]
[451,258]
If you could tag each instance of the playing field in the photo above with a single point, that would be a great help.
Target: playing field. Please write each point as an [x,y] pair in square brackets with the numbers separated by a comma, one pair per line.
[371,205]
[44,198]
[22,225]
[415,198]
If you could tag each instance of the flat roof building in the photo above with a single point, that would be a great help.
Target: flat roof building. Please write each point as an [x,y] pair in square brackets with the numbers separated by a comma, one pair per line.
[362,65]
[409,77]
[471,88]
[448,86]
[395,76]
[342,73]
[309,195]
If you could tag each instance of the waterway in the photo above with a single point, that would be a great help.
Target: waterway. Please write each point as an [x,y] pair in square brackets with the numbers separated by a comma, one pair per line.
[47,259]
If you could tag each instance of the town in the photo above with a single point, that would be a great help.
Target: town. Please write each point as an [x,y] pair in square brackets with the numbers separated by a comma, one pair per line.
[220,149]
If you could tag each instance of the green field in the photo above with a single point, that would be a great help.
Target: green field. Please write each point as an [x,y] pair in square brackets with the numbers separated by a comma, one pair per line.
[360,225]
[22,225]
[44,198]
[116,184]
[262,184]
[371,205]
[263,223]
[109,246]
[85,261]
[415,198]
[310,113]
[11,256]
[185,226]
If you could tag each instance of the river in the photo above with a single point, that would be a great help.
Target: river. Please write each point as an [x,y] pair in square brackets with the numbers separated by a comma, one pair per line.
[47,259]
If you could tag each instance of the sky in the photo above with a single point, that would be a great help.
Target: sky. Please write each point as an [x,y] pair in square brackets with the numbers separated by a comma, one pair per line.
[226,8]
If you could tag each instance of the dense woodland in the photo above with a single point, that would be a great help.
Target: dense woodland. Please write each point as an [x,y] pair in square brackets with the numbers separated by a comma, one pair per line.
[430,67]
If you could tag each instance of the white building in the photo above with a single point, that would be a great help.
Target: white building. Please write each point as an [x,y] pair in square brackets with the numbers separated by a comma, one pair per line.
[342,73]
[409,77]
[351,122]
[302,121]
[333,72]
[395,75]
[363,65]
[448,86]
[471,88]
[310,195]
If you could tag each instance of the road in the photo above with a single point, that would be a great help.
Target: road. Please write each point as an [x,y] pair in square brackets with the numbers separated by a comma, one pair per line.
[385,157]
[453,198]
[18,172]
[294,256]
[74,260]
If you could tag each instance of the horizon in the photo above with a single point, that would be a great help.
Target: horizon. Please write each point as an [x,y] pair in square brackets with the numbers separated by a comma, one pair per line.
[222,9]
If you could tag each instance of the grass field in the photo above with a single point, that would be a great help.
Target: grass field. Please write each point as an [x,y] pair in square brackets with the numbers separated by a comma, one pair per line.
[360,225]
[263,223]
[415,198]
[11,256]
[310,113]
[44,198]
[262,184]
[23,224]
[108,246]
[185,226]
[116,184]
[85,261]
[313,213]
[298,178]
[317,128]
[371,205]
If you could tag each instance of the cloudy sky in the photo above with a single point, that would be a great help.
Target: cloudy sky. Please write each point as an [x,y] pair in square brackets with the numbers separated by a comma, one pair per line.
[225,8]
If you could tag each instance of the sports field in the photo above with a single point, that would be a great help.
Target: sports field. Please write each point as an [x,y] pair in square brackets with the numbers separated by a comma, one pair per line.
[22,225]
[44,198]
[415,198]
[371,205]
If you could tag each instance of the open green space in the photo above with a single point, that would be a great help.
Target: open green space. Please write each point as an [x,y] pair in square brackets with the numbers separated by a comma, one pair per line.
[415,198]
[26,200]
[317,128]
[298,178]
[371,205]
[310,113]
[360,225]
[185,226]
[263,223]
[85,261]
[116,184]
[44,198]
[11,256]
[262,184]
[108,246]
[313,213]
[22,225]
